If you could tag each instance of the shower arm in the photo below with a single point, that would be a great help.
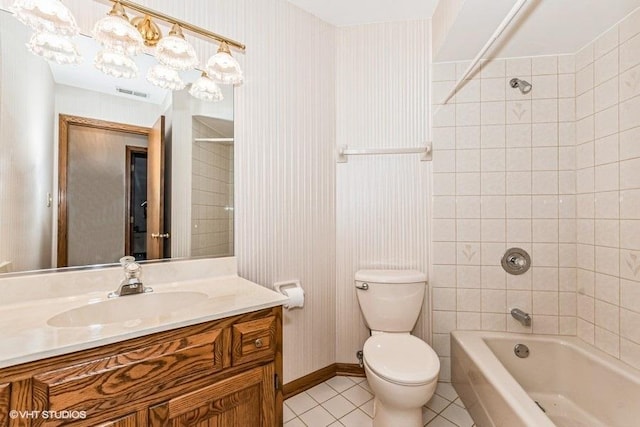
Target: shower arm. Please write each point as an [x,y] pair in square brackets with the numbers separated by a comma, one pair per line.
[498,32]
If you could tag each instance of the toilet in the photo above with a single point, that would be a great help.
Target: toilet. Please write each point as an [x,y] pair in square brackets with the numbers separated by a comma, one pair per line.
[402,370]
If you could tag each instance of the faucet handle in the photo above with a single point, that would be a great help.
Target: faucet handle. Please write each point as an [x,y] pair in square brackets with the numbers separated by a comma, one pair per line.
[126,260]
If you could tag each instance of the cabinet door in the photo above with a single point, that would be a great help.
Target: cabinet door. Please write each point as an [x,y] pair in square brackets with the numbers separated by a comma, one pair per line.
[5,401]
[126,421]
[247,399]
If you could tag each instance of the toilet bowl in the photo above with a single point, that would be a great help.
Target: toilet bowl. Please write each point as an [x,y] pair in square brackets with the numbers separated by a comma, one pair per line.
[402,371]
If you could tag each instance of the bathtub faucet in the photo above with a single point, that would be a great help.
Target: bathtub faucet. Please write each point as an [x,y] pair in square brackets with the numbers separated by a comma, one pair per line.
[521,316]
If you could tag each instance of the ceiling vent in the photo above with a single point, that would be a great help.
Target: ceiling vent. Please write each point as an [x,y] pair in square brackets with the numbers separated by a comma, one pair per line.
[132,92]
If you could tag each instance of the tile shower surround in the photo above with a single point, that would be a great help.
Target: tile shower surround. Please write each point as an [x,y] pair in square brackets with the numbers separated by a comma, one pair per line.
[557,172]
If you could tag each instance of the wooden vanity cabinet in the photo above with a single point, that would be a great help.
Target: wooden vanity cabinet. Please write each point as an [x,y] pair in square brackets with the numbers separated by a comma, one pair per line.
[221,373]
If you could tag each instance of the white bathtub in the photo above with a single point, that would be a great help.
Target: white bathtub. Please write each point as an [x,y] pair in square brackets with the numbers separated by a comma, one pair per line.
[576,384]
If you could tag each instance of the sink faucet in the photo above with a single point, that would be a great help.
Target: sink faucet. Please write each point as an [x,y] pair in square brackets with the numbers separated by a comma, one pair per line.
[131,284]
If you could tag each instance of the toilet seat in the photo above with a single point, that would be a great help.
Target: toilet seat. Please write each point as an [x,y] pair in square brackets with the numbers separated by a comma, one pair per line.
[401,359]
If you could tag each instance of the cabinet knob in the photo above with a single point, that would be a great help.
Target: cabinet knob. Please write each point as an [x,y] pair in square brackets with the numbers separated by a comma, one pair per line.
[258,343]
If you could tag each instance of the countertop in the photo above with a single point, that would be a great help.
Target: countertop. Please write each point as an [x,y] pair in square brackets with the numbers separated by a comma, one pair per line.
[25,335]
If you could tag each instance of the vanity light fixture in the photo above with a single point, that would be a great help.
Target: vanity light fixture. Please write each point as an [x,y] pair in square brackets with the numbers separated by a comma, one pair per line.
[149,30]
[116,64]
[121,39]
[50,16]
[54,47]
[116,33]
[223,68]
[165,77]
[206,89]
[175,51]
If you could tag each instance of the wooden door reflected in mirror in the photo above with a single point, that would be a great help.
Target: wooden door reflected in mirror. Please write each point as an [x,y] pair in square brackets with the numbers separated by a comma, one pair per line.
[94,214]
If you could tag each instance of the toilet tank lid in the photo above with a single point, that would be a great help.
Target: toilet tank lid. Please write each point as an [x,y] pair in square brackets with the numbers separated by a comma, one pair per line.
[390,276]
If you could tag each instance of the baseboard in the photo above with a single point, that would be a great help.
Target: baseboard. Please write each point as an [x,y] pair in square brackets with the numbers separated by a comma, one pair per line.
[349,369]
[321,375]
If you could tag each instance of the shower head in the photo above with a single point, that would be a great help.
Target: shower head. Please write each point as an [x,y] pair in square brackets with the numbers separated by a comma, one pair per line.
[524,86]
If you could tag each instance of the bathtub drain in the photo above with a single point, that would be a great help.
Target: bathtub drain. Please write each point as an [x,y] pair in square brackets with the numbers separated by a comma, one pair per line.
[540,406]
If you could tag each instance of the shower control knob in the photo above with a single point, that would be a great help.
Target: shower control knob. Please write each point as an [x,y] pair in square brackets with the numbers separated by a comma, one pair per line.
[516,261]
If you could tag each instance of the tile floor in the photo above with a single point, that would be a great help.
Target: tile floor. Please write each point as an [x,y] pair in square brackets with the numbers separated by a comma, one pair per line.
[348,402]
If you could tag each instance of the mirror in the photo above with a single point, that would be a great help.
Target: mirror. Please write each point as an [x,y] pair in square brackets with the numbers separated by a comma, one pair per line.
[93,168]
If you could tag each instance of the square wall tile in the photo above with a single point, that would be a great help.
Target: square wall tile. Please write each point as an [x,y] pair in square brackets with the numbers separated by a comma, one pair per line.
[630,53]
[493,89]
[566,64]
[545,86]
[584,57]
[519,67]
[606,42]
[544,110]
[606,67]
[544,65]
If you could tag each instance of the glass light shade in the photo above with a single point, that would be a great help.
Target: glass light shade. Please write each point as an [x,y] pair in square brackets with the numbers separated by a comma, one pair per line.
[176,52]
[50,16]
[54,47]
[165,77]
[206,89]
[116,33]
[223,68]
[116,64]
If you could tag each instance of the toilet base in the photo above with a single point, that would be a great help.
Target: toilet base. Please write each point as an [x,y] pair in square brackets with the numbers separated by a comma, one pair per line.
[394,417]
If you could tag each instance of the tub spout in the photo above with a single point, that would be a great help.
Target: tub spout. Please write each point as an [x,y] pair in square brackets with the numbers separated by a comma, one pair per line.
[521,316]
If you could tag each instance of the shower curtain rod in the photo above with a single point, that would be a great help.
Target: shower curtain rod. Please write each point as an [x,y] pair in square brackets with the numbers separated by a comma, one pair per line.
[503,25]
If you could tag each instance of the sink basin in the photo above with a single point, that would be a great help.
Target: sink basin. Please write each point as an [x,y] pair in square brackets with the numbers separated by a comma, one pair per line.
[130,309]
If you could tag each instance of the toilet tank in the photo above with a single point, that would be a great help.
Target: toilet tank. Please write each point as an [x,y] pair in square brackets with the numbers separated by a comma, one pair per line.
[390,300]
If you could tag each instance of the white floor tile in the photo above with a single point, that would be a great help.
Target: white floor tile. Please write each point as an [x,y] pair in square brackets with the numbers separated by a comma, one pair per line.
[294,423]
[301,403]
[447,391]
[368,408]
[317,417]
[440,422]
[338,406]
[427,415]
[365,385]
[356,418]
[437,403]
[458,415]
[340,384]
[357,395]
[322,392]
[459,403]
[287,413]
[348,402]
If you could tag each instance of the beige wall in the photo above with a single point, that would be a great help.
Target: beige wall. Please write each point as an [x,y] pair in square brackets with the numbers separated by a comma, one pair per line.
[608,191]
[556,172]
[381,201]
[26,149]
[96,193]
[504,176]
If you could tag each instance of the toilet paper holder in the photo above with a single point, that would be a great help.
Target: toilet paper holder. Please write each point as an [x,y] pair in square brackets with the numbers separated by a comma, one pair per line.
[290,285]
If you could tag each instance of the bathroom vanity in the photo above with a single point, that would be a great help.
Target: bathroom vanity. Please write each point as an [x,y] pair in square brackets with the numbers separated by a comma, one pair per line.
[216,362]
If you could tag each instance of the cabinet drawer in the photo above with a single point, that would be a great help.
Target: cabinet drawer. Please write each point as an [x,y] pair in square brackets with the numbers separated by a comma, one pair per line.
[113,382]
[254,340]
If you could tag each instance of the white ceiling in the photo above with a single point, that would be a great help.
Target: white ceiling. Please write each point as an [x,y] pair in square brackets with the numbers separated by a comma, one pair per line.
[353,12]
[545,27]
